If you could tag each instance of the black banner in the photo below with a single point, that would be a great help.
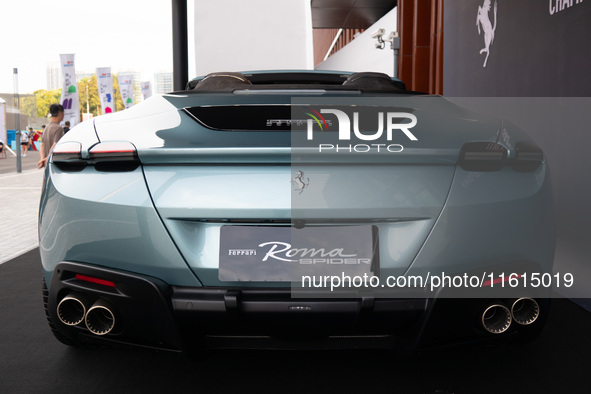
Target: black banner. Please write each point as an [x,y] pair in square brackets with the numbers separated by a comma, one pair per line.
[532,48]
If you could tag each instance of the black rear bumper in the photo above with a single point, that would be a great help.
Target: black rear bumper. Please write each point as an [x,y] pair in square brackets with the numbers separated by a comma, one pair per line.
[151,313]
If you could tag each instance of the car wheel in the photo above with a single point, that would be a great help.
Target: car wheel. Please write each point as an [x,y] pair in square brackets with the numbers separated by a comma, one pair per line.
[58,335]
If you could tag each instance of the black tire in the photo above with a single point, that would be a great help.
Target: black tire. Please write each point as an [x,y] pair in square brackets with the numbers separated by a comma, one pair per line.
[57,334]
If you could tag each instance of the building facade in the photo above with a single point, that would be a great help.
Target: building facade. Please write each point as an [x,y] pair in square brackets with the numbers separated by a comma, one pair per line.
[163,82]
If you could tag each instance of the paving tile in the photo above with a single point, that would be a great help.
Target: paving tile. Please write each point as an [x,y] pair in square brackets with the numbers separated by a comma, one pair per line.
[19,208]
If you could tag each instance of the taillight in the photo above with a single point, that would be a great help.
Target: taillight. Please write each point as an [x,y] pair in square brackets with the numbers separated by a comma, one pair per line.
[114,156]
[104,156]
[528,157]
[67,156]
[490,156]
[482,156]
[67,151]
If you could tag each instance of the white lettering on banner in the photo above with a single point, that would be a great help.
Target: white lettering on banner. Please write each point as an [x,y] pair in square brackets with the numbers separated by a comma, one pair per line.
[146,89]
[104,80]
[126,89]
[556,6]
[69,98]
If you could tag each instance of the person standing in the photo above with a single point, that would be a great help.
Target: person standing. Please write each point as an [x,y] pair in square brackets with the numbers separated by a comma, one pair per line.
[66,126]
[52,133]
[24,143]
[31,136]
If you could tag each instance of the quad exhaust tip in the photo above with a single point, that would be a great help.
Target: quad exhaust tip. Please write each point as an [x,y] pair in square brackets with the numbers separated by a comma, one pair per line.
[72,309]
[496,319]
[525,311]
[100,318]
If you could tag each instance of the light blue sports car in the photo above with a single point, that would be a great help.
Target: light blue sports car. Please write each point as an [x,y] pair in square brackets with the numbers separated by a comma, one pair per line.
[294,209]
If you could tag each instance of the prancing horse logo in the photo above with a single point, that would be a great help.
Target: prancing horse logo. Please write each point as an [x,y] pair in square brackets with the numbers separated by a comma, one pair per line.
[488,28]
[299,182]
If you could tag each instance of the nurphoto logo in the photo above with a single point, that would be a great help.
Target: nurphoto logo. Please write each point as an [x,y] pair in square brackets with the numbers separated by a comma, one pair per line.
[391,123]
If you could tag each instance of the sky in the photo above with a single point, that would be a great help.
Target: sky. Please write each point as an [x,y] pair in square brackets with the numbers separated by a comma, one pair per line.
[121,34]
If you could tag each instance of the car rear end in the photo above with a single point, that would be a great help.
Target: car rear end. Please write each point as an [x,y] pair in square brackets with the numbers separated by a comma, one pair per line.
[193,217]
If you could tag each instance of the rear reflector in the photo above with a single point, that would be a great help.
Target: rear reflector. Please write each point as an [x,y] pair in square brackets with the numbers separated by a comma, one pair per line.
[95,280]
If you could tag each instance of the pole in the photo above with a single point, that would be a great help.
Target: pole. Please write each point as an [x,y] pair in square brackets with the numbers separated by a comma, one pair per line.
[394,39]
[17,123]
[180,44]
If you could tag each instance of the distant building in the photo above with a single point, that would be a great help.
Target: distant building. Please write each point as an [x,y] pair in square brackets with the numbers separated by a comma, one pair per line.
[28,111]
[163,82]
[54,75]
[83,74]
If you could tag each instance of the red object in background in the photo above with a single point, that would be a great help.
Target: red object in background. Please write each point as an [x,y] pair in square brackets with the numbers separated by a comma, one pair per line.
[36,137]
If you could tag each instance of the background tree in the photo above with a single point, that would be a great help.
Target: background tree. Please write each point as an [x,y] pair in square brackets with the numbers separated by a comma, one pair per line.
[118,100]
[28,105]
[44,100]
[94,102]
[47,97]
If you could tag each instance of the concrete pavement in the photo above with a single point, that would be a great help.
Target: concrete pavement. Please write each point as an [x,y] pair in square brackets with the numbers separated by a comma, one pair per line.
[19,206]
[8,165]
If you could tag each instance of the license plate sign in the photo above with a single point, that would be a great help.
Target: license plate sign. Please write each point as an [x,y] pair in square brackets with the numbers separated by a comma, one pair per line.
[266,253]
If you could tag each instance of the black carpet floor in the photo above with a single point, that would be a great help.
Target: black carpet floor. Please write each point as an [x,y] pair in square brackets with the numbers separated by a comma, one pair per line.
[32,361]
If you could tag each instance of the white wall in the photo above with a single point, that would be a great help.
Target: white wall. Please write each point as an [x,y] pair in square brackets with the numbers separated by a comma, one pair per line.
[238,35]
[361,54]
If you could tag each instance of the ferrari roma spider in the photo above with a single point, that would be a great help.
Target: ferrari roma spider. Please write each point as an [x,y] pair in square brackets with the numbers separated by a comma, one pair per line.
[295,209]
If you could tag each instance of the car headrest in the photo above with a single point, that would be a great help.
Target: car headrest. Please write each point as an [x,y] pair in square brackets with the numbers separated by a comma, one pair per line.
[371,81]
[223,81]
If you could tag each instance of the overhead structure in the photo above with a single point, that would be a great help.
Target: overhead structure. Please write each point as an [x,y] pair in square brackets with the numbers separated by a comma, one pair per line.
[420,27]
[348,14]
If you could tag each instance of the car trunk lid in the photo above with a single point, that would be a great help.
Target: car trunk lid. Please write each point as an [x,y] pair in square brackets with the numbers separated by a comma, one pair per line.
[204,178]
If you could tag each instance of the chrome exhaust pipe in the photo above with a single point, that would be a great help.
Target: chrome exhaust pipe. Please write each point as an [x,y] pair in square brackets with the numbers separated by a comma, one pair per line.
[496,319]
[72,309]
[525,311]
[100,318]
